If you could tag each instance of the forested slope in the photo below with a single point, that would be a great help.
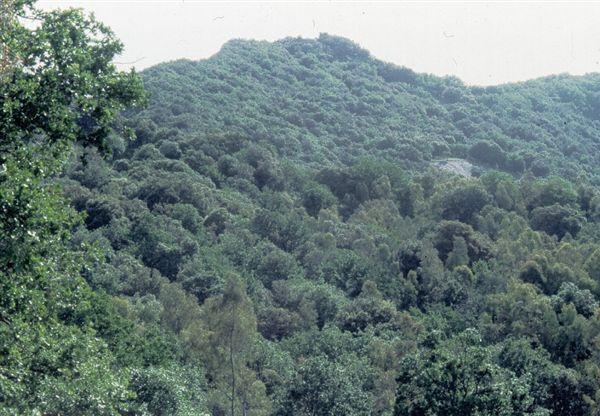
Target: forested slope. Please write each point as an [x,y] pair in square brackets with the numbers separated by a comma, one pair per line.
[364,280]
[327,101]
[274,241]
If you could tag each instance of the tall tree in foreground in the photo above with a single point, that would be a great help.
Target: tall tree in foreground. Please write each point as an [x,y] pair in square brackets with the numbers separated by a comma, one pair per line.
[58,86]
[228,346]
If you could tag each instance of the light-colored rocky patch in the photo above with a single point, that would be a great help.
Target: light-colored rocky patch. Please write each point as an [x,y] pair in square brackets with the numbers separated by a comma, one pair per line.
[458,166]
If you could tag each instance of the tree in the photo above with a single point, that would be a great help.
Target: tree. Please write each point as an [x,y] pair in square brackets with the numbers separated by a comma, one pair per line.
[216,220]
[556,220]
[57,86]
[554,389]
[316,198]
[164,244]
[351,272]
[463,202]
[592,265]
[170,391]
[367,309]
[272,264]
[459,256]
[489,153]
[231,334]
[551,191]
[180,309]
[583,300]
[63,83]
[328,388]
[431,273]
[443,240]
[456,378]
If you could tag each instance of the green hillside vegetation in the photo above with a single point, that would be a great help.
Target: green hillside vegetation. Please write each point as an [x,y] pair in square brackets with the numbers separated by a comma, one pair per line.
[326,101]
[273,239]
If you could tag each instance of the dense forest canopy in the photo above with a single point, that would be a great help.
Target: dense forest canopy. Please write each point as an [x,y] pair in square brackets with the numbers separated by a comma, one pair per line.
[327,101]
[269,232]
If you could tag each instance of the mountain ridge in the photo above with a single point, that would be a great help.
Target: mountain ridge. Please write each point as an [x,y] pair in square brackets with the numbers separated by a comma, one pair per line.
[314,93]
[392,63]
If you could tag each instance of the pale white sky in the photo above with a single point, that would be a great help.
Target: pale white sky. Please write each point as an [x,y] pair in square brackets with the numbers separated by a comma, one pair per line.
[482,43]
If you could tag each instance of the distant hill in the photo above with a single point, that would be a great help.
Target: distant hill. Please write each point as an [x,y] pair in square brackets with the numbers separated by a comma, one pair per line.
[329,102]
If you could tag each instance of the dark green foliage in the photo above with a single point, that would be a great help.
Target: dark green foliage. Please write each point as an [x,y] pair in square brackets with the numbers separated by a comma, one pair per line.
[368,309]
[464,202]
[169,391]
[585,303]
[488,153]
[556,220]
[316,198]
[459,256]
[170,150]
[327,388]
[460,377]
[532,273]
[552,191]
[445,237]
[216,220]
[163,244]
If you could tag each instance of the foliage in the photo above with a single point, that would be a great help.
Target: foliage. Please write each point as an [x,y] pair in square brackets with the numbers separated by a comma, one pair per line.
[275,239]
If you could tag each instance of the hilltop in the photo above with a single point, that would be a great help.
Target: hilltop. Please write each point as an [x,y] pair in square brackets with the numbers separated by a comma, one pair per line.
[329,102]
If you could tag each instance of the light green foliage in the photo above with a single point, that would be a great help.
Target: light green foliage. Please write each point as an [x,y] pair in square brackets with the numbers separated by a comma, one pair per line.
[59,87]
[226,352]
[170,391]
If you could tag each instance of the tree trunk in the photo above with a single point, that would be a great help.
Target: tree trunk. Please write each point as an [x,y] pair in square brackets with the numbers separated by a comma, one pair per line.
[231,362]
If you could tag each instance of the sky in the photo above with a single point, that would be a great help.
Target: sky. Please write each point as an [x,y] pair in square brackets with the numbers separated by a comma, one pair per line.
[482,43]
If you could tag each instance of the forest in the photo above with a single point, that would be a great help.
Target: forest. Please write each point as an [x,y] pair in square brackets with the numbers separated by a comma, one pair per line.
[272,231]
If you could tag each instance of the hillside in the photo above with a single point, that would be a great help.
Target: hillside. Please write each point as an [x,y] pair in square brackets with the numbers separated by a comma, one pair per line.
[327,101]
[282,236]
[301,169]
